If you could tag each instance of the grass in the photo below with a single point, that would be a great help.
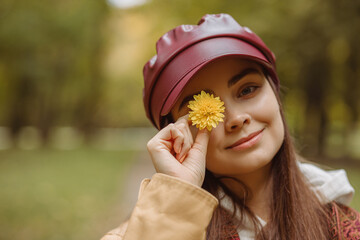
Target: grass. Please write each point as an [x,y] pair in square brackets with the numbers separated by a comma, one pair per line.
[53,194]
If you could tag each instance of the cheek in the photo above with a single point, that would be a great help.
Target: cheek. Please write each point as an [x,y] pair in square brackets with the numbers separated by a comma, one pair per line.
[193,131]
[266,111]
[274,120]
[213,146]
[213,138]
[277,129]
[266,108]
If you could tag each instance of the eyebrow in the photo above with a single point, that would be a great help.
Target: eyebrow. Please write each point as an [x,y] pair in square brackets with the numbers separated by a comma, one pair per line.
[241,75]
[191,97]
[231,82]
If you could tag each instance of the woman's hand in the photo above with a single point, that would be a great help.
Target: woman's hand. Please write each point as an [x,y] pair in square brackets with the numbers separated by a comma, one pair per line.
[174,152]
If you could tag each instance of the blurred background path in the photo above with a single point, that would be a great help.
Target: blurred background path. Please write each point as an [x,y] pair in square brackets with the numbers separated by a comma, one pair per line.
[141,168]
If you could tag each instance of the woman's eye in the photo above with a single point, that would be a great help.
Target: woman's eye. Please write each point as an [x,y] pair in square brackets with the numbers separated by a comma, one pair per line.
[247,90]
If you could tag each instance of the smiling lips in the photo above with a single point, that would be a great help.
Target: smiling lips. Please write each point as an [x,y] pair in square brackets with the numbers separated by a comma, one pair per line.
[248,141]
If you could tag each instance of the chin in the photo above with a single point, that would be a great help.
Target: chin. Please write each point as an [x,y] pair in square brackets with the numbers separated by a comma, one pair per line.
[234,169]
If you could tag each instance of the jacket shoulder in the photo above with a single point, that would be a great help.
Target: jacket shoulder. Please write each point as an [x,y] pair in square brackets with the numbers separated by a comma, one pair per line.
[117,233]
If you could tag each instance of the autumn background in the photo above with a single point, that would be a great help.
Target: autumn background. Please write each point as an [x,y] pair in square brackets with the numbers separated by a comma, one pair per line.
[72,125]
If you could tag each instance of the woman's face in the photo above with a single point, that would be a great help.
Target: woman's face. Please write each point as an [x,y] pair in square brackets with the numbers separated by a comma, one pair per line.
[252,131]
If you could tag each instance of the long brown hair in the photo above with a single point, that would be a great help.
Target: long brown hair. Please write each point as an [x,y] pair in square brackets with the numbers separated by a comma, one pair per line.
[296,212]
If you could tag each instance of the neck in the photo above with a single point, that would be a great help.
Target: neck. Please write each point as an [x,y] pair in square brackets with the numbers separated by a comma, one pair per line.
[260,188]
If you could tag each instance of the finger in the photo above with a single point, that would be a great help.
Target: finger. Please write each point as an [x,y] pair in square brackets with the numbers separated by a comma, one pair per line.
[183,126]
[182,159]
[178,138]
[193,131]
[188,142]
[202,140]
[184,151]
[160,140]
[184,117]
[190,131]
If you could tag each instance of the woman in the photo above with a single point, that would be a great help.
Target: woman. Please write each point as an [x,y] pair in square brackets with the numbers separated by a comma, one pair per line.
[241,180]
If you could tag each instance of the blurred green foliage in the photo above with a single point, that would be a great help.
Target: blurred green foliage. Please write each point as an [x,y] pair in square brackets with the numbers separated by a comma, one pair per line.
[50,63]
[51,194]
[80,63]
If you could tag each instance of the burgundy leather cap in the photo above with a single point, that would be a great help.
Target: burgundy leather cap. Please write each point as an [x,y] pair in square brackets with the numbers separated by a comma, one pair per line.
[185,49]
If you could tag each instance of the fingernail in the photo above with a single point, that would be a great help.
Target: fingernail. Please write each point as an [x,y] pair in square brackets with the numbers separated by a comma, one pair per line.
[180,156]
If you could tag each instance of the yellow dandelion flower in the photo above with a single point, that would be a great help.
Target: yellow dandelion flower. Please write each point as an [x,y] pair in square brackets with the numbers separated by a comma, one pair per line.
[206,111]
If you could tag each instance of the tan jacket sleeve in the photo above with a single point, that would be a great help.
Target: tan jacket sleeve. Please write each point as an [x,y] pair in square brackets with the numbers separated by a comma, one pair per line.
[167,208]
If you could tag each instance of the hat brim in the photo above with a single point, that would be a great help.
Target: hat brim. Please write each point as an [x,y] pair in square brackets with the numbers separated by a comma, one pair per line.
[185,65]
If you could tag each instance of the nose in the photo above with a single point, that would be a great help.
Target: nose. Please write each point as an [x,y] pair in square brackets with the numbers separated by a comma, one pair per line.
[235,119]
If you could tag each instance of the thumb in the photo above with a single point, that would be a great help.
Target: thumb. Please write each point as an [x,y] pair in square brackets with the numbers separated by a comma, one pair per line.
[202,140]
